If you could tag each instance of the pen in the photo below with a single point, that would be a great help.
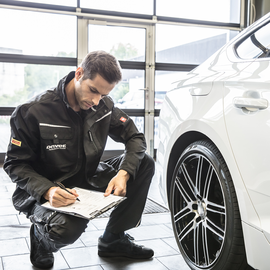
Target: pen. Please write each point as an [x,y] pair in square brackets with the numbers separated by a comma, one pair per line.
[62,186]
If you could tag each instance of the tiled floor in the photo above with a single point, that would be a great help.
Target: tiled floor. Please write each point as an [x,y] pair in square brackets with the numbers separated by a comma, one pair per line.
[155,232]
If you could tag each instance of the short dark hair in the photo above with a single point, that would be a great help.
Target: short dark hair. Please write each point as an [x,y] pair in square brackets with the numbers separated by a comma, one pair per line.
[102,63]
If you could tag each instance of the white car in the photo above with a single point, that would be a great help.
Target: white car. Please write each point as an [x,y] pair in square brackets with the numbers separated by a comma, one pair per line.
[213,158]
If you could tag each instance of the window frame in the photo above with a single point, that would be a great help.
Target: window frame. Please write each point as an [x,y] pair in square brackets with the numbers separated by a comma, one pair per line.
[246,37]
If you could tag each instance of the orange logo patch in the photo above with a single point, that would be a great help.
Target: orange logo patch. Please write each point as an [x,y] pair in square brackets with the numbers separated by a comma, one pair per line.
[15,142]
[123,119]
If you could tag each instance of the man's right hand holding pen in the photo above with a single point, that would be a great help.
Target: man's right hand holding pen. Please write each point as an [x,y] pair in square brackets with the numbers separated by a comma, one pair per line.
[58,197]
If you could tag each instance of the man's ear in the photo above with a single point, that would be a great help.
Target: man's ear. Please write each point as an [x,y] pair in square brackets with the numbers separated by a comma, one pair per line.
[78,73]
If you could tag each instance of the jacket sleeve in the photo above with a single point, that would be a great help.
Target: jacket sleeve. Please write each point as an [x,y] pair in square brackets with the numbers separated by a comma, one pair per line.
[22,154]
[123,129]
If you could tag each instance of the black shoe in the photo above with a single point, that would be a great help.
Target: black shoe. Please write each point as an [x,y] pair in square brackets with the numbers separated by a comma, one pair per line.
[124,247]
[39,256]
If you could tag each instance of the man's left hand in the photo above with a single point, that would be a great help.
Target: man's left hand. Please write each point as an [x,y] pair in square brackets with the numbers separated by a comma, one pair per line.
[118,184]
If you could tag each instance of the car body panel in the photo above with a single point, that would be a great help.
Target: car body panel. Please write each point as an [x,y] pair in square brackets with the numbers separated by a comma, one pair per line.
[248,132]
[257,248]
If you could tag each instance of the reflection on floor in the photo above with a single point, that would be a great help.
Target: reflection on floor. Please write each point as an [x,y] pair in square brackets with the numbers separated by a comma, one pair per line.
[155,232]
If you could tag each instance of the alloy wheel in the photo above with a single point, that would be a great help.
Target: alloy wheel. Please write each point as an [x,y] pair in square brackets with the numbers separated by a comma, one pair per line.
[198,209]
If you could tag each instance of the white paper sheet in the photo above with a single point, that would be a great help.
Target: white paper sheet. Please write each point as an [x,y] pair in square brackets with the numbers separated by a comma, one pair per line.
[91,204]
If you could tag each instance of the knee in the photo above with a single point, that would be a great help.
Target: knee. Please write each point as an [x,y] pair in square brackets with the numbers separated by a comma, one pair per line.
[150,162]
[68,232]
[149,165]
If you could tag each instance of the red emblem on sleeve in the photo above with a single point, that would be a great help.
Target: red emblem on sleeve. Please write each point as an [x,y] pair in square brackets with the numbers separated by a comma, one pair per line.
[123,119]
[15,142]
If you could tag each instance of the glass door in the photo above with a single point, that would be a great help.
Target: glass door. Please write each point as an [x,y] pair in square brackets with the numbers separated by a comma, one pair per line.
[128,44]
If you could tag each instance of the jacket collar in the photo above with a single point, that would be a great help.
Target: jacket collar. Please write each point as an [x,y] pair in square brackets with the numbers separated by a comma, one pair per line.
[60,89]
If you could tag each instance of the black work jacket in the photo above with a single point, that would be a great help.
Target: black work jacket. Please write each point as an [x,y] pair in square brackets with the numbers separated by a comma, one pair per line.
[49,142]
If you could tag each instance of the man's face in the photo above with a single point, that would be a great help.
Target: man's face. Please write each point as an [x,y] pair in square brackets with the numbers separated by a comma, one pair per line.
[88,92]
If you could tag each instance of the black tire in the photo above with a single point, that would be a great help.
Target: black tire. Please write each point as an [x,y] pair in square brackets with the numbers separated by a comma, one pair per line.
[204,210]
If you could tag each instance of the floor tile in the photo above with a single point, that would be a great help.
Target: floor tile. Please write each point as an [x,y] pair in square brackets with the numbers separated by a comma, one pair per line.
[175,262]
[100,223]
[91,227]
[13,232]
[17,262]
[9,220]
[23,219]
[91,238]
[5,202]
[8,210]
[4,178]
[171,242]
[151,232]
[6,195]
[3,188]
[22,262]
[132,265]
[11,187]
[155,219]
[82,257]
[59,262]
[160,247]
[76,244]
[13,247]
[169,225]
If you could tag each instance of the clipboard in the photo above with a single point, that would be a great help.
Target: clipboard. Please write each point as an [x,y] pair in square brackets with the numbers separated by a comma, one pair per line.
[91,204]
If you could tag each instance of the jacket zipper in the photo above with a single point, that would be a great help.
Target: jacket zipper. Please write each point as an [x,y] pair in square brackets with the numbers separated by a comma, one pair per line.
[92,140]
[105,115]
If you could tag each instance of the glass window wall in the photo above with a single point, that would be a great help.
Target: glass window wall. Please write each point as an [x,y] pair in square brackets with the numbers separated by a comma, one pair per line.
[128,94]
[226,11]
[20,82]
[165,81]
[112,145]
[189,45]
[36,33]
[125,43]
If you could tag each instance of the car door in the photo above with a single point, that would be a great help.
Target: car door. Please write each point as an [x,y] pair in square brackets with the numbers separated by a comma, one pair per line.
[247,117]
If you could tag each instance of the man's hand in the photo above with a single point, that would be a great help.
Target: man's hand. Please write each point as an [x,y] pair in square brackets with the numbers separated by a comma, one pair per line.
[59,197]
[118,184]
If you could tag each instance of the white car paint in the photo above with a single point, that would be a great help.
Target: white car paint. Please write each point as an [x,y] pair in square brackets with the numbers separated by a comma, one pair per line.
[208,102]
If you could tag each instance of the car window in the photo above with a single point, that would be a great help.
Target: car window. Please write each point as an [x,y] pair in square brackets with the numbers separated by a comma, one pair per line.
[257,45]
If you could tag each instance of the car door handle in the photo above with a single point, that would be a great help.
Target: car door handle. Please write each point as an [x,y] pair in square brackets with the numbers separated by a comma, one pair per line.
[250,104]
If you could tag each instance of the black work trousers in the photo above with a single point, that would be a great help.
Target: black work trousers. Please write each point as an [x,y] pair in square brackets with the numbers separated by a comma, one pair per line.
[56,230]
